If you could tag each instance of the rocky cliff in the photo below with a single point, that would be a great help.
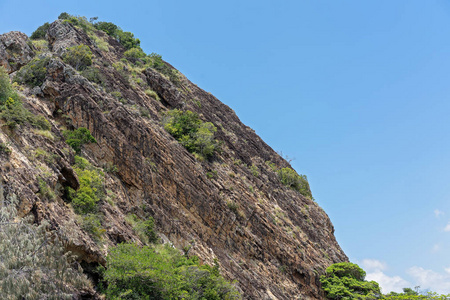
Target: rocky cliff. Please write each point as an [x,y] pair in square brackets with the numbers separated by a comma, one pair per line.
[274,241]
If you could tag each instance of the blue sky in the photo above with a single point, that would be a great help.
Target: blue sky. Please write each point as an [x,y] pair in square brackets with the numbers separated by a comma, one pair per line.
[357,92]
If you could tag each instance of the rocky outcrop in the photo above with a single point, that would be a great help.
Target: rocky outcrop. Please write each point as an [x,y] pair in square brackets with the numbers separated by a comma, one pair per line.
[272,240]
[14,50]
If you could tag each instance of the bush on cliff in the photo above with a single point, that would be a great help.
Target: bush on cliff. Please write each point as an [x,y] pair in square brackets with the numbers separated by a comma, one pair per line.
[11,107]
[78,137]
[346,281]
[79,57]
[295,181]
[6,90]
[85,199]
[187,128]
[126,38]
[33,73]
[161,272]
[40,32]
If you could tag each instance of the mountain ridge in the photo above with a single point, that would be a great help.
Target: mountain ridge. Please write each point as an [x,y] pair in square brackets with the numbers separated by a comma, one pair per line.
[272,239]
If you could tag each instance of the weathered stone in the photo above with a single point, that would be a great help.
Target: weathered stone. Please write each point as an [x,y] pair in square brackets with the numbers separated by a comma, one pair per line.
[14,51]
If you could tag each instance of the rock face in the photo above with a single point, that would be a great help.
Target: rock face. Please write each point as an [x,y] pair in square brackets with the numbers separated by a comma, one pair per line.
[14,50]
[272,240]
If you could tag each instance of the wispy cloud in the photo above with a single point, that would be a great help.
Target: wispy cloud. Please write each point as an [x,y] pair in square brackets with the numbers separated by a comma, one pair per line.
[447,228]
[436,248]
[388,283]
[438,213]
[428,279]
[373,265]
[375,268]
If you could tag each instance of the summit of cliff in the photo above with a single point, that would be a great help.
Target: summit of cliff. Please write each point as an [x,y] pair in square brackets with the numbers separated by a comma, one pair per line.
[237,202]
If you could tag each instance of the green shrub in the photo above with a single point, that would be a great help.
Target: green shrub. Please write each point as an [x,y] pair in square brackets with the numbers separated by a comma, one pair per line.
[33,73]
[6,90]
[78,21]
[14,113]
[45,191]
[78,137]
[295,181]
[144,229]
[161,272]
[79,57]
[126,38]
[196,136]
[134,53]
[152,94]
[255,171]
[91,224]
[4,149]
[33,262]
[108,27]
[346,281]
[155,61]
[93,74]
[85,199]
[64,16]
[40,32]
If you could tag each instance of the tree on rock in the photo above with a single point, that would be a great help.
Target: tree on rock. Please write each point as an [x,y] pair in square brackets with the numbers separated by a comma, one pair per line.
[346,281]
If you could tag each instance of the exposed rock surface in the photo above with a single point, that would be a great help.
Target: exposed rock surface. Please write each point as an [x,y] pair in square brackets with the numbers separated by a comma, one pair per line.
[14,50]
[274,242]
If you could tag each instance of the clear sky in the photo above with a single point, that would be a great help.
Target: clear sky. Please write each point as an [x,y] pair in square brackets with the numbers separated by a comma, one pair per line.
[357,92]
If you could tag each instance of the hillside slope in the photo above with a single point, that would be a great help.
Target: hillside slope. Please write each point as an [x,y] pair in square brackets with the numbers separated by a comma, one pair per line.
[274,241]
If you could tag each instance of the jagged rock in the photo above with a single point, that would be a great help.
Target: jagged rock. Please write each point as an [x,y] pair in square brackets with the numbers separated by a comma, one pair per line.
[62,35]
[37,91]
[14,51]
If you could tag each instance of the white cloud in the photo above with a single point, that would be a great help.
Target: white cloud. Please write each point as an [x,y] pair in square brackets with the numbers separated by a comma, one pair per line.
[428,279]
[447,228]
[438,213]
[436,248]
[387,283]
[373,265]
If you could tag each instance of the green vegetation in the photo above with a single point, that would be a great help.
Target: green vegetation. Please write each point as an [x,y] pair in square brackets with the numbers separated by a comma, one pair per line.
[40,32]
[91,223]
[85,199]
[196,136]
[7,93]
[77,138]
[254,169]
[126,38]
[78,21]
[45,191]
[93,74]
[12,110]
[346,281]
[33,262]
[290,178]
[134,53]
[33,73]
[155,61]
[145,229]
[4,149]
[152,94]
[410,294]
[79,57]
[161,272]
